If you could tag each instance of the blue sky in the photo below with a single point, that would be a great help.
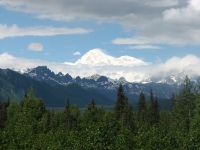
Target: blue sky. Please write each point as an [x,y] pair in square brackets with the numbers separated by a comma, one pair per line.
[54,31]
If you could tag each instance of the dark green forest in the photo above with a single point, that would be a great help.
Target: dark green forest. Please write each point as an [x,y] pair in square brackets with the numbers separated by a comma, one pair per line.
[30,125]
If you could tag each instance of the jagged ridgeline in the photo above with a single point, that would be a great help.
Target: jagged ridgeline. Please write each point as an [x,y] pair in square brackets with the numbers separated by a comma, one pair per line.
[14,85]
[105,85]
[55,88]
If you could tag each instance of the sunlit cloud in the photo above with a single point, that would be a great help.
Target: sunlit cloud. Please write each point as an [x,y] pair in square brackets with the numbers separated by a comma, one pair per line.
[154,21]
[35,47]
[144,47]
[15,31]
[76,53]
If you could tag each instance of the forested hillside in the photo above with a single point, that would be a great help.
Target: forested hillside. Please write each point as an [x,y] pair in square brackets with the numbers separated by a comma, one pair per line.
[15,85]
[30,125]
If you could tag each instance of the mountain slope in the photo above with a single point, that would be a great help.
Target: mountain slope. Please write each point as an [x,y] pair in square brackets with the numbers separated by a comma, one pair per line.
[106,86]
[15,85]
[42,73]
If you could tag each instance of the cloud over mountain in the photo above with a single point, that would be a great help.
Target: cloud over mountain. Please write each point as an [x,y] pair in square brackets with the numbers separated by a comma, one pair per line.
[189,64]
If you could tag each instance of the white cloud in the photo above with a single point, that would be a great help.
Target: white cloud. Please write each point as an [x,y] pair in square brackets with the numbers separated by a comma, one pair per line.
[174,22]
[134,73]
[144,47]
[35,47]
[189,64]
[67,10]
[134,40]
[187,16]
[47,54]
[14,30]
[162,3]
[76,53]
[174,26]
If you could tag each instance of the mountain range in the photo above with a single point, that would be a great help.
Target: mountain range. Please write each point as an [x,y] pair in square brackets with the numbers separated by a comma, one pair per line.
[97,61]
[14,85]
[105,85]
[54,88]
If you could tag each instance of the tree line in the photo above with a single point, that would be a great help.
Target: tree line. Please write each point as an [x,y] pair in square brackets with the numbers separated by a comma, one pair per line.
[30,125]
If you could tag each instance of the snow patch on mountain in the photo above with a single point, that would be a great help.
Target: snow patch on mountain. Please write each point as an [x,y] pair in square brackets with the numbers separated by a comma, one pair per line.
[96,57]
[94,77]
[175,77]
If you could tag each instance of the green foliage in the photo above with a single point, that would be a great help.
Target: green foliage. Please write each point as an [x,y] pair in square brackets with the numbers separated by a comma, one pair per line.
[75,114]
[183,107]
[29,125]
[92,115]
[123,111]
[142,109]
[3,112]
[195,124]
[68,115]
[153,109]
[120,103]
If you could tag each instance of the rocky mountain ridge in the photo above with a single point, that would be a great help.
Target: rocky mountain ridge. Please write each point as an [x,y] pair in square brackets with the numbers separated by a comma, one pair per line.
[163,89]
[14,85]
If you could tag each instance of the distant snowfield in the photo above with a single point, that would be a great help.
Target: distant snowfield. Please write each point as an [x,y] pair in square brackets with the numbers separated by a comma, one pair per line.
[96,57]
[97,62]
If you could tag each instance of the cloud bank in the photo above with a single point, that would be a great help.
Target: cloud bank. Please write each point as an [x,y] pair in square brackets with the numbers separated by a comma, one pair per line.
[190,64]
[174,22]
[174,26]
[14,31]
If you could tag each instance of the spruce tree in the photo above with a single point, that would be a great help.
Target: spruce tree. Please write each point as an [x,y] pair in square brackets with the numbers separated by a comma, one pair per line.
[152,109]
[92,114]
[187,103]
[2,115]
[48,121]
[123,110]
[183,107]
[127,116]
[141,111]
[3,112]
[172,100]
[93,104]
[68,115]
[7,103]
[120,103]
[156,109]
[1,105]
[195,124]
[75,113]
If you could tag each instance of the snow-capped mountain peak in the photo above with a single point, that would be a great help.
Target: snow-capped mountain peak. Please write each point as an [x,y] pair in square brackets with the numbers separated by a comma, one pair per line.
[97,57]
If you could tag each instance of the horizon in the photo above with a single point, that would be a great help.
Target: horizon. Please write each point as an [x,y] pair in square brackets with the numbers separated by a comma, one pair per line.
[164,34]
